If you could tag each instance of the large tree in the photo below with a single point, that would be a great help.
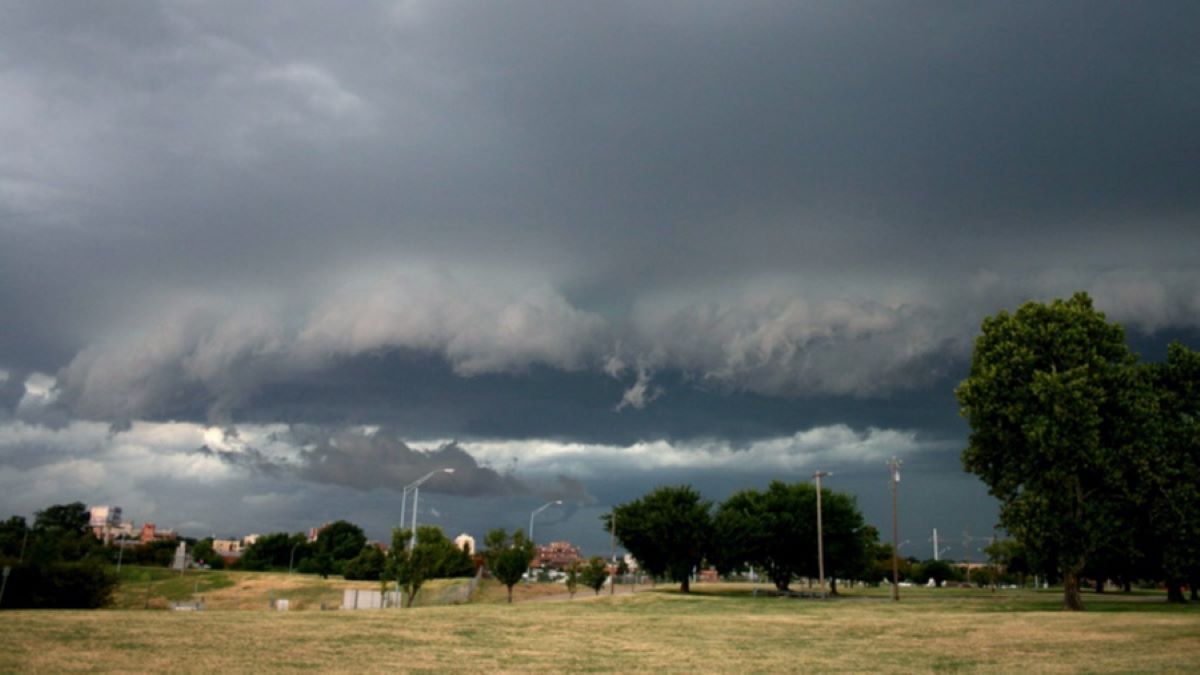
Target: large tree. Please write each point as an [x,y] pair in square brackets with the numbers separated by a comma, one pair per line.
[1057,417]
[1171,505]
[276,551]
[776,532]
[848,540]
[668,530]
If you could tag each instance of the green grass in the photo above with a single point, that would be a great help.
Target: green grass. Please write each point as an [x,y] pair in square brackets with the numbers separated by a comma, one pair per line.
[719,628]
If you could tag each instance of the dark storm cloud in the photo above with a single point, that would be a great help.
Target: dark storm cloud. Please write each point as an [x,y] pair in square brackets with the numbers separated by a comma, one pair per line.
[367,461]
[205,207]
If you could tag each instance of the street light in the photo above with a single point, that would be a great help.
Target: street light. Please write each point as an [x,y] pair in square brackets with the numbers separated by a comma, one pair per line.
[416,488]
[820,538]
[536,511]
[404,503]
[894,477]
[292,555]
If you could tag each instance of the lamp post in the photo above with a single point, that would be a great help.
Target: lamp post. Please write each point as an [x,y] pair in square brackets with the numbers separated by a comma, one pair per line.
[292,555]
[416,488]
[543,507]
[820,535]
[404,503]
[894,465]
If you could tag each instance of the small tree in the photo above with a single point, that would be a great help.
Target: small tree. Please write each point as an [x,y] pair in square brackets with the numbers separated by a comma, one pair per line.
[367,565]
[573,578]
[434,556]
[938,570]
[508,558]
[594,574]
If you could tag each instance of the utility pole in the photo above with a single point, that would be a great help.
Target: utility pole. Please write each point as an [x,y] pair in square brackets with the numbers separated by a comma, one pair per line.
[935,544]
[612,543]
[967,552]
[820,535]
[894,465]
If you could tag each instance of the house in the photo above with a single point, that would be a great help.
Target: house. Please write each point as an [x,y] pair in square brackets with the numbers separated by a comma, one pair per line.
[557,555]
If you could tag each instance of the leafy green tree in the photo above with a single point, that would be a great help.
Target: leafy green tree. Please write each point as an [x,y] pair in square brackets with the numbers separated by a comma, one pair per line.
[203,552]
[368,565]
[1057,418]
[508,557]
[338,542]
[64,564]
[13,535]
[1171,504]
[1009,556]
[61,533]
[938,570]
[154,553]
[573,571]
[668,530]
[88,584]
[776,531]
[594,574]
[274,551]
[433,557]
[881,568]
[848,539]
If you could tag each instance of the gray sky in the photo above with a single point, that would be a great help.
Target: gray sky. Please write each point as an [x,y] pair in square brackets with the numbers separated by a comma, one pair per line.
[261,264]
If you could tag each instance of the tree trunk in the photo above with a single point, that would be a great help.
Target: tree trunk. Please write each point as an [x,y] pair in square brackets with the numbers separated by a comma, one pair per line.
[1175,591]
[1099,585]
[833,586]
[510,595]
[1127,586]
[686,586]
[781,585]
[1071,599]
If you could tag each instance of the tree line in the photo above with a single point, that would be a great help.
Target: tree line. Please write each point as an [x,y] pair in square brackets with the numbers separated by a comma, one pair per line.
[673,531]
[1093,453]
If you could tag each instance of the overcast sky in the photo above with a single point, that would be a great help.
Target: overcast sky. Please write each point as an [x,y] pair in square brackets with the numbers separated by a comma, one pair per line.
[261,265]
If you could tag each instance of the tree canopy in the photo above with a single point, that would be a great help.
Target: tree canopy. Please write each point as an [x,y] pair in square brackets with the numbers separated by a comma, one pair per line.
[433,556]
[776,531]
[594,573]
[1061,420]
[669,531]
[508,557]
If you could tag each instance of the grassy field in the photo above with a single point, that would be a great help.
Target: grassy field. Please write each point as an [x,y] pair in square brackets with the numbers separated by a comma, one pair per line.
[717,628]
[157,588]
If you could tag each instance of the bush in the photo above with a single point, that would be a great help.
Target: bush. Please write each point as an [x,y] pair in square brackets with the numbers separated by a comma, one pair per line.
[60,585]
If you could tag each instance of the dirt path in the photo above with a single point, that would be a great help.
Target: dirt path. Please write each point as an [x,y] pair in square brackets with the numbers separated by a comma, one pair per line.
[582,594]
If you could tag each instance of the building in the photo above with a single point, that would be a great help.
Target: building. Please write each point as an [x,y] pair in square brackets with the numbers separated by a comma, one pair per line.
[466,541]
[227,547]
[103,520]
[151,533]
[557,555]
[314,532]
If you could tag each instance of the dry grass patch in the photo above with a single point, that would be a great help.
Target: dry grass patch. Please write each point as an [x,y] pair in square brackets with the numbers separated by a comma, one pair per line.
[650,630]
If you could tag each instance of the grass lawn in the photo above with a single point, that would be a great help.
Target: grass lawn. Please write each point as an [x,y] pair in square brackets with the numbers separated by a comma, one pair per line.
[718,628]
[157,588]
